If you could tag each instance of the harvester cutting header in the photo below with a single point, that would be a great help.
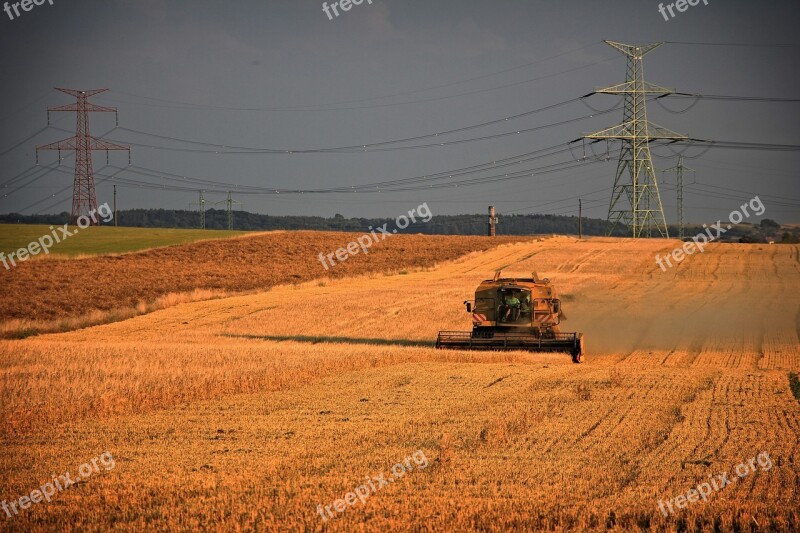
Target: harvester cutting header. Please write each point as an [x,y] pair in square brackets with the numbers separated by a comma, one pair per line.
[515,314]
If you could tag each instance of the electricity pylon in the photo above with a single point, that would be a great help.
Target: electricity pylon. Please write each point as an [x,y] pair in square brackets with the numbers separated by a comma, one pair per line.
[84,200]
[202,205]
[229,201]
[230,211]
[635,200]
[679,169]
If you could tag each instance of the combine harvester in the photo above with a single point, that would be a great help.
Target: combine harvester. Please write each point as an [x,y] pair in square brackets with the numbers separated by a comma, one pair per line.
[515,314]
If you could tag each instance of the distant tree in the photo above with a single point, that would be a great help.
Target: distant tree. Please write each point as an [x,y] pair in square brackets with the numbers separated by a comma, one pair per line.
[789,238]
[751,238]
[768,223]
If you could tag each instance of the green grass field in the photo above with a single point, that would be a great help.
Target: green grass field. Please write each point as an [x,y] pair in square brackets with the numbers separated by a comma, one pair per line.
[100,240]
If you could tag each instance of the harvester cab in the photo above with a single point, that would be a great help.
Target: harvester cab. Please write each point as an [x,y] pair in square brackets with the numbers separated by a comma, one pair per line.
[515,314]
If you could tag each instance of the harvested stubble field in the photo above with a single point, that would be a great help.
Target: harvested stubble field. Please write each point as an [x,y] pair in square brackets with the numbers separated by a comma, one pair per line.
[247,412]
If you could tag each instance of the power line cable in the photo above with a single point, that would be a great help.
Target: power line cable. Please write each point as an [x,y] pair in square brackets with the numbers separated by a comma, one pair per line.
[326,107]
[740,145]
[747,192]
[515,160]
[473,169]
[562,200]
[31,179]
[751,45]
[21,175]
[68,187]
[23,141]
[733,196]
[725,97]
[363,146]
[556,167]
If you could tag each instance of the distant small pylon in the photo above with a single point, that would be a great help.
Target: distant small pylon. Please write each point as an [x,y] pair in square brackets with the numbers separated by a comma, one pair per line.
[679,168]
[229,202]
[202,205]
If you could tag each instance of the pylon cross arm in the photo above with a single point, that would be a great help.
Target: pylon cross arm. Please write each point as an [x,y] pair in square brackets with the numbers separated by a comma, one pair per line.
[78,93]
[660,132]
[627,131]
[100,144]
[676,168]
[65,144]
[631,87]
[72,144]
[633,50]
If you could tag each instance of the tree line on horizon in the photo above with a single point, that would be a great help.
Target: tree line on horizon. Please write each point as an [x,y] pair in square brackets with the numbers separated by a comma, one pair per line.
[217,219]
[476,224]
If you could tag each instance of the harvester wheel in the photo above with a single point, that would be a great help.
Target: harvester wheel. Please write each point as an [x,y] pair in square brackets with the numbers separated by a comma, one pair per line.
[580,350]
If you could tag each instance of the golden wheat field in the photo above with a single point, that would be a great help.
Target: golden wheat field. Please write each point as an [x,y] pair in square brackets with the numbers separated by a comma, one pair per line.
[258,411]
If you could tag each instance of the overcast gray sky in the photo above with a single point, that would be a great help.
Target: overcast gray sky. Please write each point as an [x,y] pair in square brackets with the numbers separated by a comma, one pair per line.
[281,75]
